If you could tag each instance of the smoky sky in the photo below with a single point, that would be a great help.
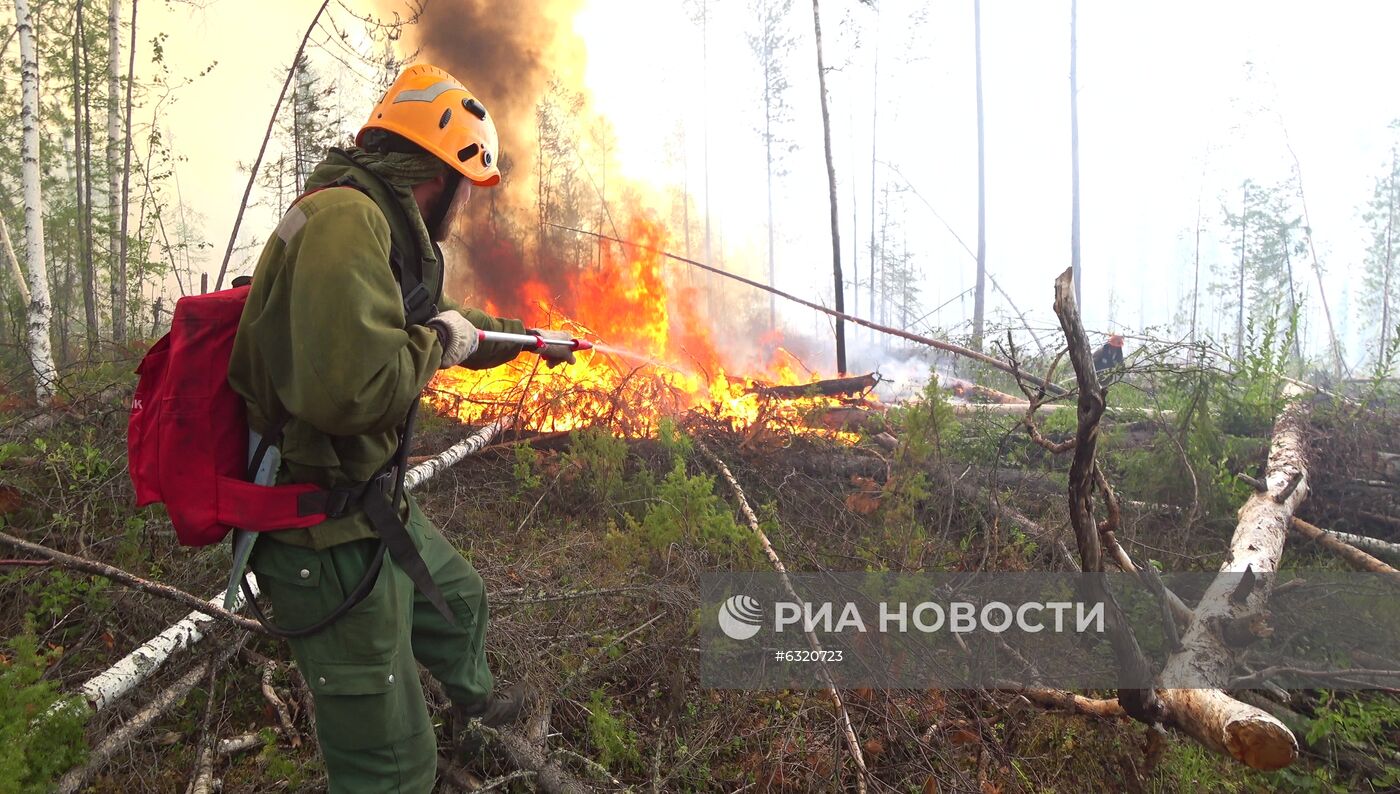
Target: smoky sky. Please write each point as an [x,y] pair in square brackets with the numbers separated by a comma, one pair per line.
[505,52]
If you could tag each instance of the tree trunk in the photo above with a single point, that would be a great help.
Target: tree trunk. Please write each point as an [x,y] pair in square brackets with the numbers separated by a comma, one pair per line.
[83,178]
[980,295]
[874,138]
[114,187]
[1213,718]
[1389,264]
[1292,297]
[831,184]
[126,177]
[13,262]
[1239,315]
[40,310]
[1196,284]
[1353,556]
[1075,263]
[88,237]
[768,152]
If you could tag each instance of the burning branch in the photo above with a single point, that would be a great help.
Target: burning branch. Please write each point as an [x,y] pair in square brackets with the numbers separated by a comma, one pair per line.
[852,744]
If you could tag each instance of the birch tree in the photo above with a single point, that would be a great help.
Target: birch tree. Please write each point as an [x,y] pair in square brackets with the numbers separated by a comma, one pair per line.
[114,172]
[40,310]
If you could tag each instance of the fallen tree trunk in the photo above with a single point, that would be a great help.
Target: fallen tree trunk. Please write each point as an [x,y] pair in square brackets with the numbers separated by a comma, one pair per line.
[1354,557]
[1370,545]
[966,388]
[834,387]
[852,744]
[161,703]
[847,418]
[1213,718]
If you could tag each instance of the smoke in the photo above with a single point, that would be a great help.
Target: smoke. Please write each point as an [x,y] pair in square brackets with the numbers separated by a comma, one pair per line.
[506,52]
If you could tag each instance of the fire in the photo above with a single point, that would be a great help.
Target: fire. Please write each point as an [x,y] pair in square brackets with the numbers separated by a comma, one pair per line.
[657,354]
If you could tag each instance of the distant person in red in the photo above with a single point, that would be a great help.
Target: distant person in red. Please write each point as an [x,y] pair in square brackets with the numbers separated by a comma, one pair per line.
[1110,355]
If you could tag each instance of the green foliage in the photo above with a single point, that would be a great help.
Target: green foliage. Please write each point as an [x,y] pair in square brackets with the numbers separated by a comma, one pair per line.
[687,509]
[526,459]
[41,730]
[599,460]
[673,440]
[615,742]
[1356,721]
[53,595]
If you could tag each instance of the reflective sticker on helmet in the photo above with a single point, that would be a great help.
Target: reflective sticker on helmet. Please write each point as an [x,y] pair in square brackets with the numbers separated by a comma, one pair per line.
[428,94]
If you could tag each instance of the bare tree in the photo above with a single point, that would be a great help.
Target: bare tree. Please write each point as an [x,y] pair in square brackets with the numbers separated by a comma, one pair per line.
[980,297]
[40,311]
[1075,262]
[769,44]
[119,318]
[831,184]
[114,186]
[81,179]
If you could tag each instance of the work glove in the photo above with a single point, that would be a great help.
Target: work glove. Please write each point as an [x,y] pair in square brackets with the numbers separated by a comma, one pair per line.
[554,355]
[457,335]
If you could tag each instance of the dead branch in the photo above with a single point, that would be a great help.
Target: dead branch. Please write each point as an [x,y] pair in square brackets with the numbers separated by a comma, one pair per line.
[284,717]
[1212,717]
[239,744]
[130,580]
[1068,701]
[549,775]
[966,388]
[161,703]
[1137,698]
[1353,556]
[851,742]
[833,387]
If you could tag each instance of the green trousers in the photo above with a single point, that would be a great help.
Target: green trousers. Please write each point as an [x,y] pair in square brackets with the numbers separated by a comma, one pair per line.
[371,719]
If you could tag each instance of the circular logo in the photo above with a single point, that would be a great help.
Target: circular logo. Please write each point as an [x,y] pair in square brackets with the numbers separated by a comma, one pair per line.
[740,617]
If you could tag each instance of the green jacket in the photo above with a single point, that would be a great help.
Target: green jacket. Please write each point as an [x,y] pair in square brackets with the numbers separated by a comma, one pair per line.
[322,338]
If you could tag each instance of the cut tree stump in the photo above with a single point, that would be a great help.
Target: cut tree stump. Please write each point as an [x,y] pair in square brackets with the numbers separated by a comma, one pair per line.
[1218,721]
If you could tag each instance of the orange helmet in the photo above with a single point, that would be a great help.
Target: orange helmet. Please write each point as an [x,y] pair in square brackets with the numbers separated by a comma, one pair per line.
[429,107]
[1116,340]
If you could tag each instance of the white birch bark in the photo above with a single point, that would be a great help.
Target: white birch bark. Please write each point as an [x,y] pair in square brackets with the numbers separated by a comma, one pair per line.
[114,181]
[1215,719]
[40,309]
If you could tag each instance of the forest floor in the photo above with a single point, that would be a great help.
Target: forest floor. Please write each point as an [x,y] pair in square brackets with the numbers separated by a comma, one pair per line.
[591,545]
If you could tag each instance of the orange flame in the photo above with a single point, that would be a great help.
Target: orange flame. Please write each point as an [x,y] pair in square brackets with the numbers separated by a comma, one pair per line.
[657,356]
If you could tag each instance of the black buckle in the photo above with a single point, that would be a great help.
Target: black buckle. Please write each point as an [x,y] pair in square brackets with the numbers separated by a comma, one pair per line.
[338,501]
[416,299]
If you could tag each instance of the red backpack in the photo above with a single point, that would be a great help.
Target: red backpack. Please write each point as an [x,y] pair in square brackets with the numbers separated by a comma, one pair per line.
[187,439]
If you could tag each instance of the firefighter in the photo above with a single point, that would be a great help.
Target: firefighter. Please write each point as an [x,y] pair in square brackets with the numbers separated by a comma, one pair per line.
[1110,355]
[345,323]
